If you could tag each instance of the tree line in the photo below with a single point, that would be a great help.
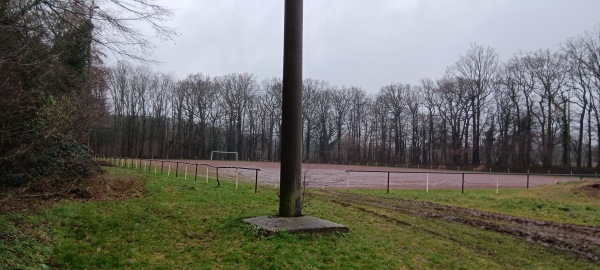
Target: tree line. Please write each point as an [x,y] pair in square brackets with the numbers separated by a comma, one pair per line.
[536,109]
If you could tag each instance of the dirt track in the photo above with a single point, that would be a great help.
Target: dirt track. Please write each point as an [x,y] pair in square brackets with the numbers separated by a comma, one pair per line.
[581,240]
[330,175]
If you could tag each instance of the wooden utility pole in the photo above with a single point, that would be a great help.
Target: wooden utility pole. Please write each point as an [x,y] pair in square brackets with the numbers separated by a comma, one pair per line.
[290,200]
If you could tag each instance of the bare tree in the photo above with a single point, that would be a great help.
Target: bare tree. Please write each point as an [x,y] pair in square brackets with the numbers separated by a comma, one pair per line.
[584,55]
[394,99]
[548,69]
[357,99]
[521,84]
[454,110]
[271,106]
[413,104]
[581,84]
[159,97]
[477,70]
[431,105]
[310,88]
[236,90]
[325,124]
[340,105]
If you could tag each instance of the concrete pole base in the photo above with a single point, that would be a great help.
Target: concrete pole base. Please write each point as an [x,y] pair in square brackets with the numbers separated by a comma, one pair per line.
[304,224]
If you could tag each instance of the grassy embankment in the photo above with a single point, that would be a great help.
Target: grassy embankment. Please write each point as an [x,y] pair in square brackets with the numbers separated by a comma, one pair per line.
[186,224]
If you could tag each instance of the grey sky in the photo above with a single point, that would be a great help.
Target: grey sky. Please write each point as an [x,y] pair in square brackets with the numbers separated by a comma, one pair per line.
[365,43]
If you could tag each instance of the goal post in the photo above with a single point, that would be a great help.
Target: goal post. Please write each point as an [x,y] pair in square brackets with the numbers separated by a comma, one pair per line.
[223,152]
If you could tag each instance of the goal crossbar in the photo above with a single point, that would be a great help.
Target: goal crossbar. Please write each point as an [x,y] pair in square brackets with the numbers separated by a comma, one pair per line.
[223,152]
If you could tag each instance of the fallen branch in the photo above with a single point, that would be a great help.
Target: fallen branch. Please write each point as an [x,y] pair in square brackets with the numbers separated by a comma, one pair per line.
[38,195]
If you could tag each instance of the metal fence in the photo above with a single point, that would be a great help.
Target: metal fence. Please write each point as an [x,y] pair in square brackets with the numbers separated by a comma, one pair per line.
[526,176]
[147,164]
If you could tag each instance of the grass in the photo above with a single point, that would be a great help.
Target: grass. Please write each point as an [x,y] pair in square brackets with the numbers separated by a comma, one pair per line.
[569,202]
[22,245]
[186,224]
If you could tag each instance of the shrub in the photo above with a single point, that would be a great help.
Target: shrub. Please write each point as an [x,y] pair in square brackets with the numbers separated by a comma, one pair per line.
[56,158]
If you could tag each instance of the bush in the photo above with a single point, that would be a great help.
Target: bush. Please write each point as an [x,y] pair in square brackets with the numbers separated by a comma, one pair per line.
[56,158]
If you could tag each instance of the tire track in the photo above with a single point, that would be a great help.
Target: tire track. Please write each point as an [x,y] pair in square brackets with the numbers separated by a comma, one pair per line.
[578,239]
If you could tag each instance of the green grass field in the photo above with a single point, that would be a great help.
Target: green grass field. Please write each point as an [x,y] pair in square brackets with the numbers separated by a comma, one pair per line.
[194,225]
[570,202]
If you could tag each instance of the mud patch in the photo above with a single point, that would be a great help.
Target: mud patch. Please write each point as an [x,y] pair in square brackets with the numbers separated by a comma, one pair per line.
[592,190]
[97,188]
[577,239]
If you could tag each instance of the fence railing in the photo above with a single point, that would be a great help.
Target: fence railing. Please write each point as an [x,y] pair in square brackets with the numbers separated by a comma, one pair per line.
[191,168]
[528,175]
[137,163]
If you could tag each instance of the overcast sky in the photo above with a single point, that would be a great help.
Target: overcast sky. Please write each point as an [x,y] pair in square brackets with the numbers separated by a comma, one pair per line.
[365,43]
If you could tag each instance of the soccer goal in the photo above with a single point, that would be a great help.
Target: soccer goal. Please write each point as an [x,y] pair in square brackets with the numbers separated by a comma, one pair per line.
[222,154]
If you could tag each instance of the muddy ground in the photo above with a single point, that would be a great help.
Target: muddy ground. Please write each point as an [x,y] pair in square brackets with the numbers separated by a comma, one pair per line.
[583,241]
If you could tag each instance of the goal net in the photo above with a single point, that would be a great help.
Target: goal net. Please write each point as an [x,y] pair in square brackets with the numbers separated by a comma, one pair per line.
[222,155]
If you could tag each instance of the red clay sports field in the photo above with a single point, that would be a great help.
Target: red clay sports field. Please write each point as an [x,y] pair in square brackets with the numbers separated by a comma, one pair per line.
[350,176]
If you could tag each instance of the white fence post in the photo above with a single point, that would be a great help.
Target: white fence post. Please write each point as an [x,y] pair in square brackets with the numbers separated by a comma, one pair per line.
[497,176]
[347,179]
